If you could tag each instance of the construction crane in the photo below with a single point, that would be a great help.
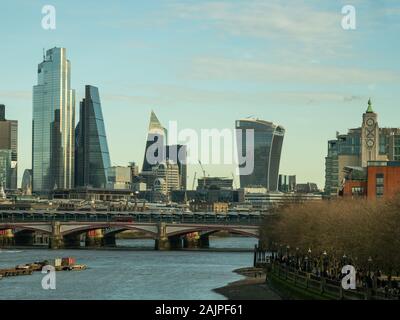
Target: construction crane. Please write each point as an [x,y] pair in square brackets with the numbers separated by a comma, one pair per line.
[204,175]
[194,179]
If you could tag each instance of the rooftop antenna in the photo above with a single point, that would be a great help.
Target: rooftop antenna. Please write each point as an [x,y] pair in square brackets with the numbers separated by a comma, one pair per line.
[44,57]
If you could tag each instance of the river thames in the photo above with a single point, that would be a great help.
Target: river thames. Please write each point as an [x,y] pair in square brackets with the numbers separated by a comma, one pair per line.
[140,273]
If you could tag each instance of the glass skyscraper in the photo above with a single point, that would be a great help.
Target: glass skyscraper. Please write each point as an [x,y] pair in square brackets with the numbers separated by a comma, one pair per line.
[92,160]
[53,124]
[268,139]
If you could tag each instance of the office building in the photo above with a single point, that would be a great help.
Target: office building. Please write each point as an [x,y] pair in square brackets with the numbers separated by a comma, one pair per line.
[119,178]
[308,187]
[92,158]
[155,151]
[5,168]
[9,144]
[178,155]
[216,183]
[266,148]
[287,183]
[166,177]
[377,180]
[53,139]
[359,146]
[26,185]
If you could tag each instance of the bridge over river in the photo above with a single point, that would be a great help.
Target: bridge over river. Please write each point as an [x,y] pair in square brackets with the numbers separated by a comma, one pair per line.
[65,229]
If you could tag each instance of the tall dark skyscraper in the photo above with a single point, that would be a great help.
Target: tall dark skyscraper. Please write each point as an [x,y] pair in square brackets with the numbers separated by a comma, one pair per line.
[268,140]
[9,150]
[178,154]
[92,158]
[53,139]
[2,112]
[156,134]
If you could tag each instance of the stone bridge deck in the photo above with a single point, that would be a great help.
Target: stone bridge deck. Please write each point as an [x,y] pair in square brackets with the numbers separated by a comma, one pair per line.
[166,234]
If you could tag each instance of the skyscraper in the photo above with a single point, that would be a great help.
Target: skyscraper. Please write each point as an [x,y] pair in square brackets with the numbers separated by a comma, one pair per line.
[268,139]
[9,144]
[178,154]
[156,143]
[26,184]
[92,158]
[53,124]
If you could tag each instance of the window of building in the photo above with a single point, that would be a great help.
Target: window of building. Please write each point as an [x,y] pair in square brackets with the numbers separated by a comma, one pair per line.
[379,184]
[357,191]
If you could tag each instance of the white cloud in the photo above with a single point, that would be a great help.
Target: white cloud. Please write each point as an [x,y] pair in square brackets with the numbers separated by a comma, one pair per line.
[210,68]
[300,24]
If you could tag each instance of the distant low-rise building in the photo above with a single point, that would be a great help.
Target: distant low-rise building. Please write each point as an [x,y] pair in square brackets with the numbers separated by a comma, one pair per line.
[214,183]
[308,187]
[287,183]
[216,207]
[119,178]
[262,199]
[379,179]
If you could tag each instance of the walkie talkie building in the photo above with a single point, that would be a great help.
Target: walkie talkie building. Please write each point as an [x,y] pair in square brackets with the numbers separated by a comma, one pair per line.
[268,140]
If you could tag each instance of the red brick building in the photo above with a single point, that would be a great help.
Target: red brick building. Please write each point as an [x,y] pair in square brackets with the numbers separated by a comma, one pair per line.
[379,179]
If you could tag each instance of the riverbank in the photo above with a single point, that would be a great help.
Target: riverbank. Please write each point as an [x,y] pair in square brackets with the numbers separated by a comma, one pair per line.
[252,287]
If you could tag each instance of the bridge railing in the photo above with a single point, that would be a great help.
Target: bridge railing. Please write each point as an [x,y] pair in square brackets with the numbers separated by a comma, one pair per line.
[27,216]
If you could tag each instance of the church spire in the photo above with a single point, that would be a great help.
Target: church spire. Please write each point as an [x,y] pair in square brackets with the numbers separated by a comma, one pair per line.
[369,110]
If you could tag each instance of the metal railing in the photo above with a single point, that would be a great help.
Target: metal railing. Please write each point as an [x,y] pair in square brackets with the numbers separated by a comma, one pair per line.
[326,288]
[128,217]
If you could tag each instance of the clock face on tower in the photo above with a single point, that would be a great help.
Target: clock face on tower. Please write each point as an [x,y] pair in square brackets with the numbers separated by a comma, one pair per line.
[370,122]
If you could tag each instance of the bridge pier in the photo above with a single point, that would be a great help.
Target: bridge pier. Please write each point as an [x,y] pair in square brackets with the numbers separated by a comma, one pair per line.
[163,242]
[56,239]
[6,238]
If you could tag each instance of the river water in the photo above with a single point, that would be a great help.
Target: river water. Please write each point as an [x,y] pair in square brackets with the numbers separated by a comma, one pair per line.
[140,273]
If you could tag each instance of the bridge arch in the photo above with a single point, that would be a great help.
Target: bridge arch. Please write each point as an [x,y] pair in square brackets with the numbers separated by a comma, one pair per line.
[23,228]
[206,230]
[74,230]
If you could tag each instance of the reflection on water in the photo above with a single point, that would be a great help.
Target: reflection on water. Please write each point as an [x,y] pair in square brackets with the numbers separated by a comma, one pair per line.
[129,274]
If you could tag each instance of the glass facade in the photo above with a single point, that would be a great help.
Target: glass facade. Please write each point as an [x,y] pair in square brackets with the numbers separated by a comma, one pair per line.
[345,144]
[5,168]
[268,140]
[26,184]
[178,154]
[92,160]
[53,124]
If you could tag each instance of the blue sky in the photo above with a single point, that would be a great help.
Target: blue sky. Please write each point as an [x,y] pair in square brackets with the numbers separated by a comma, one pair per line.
[207,63]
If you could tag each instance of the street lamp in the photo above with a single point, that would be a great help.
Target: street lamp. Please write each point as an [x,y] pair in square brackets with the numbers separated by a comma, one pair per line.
[369,265]
[344,259]
[325,263]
